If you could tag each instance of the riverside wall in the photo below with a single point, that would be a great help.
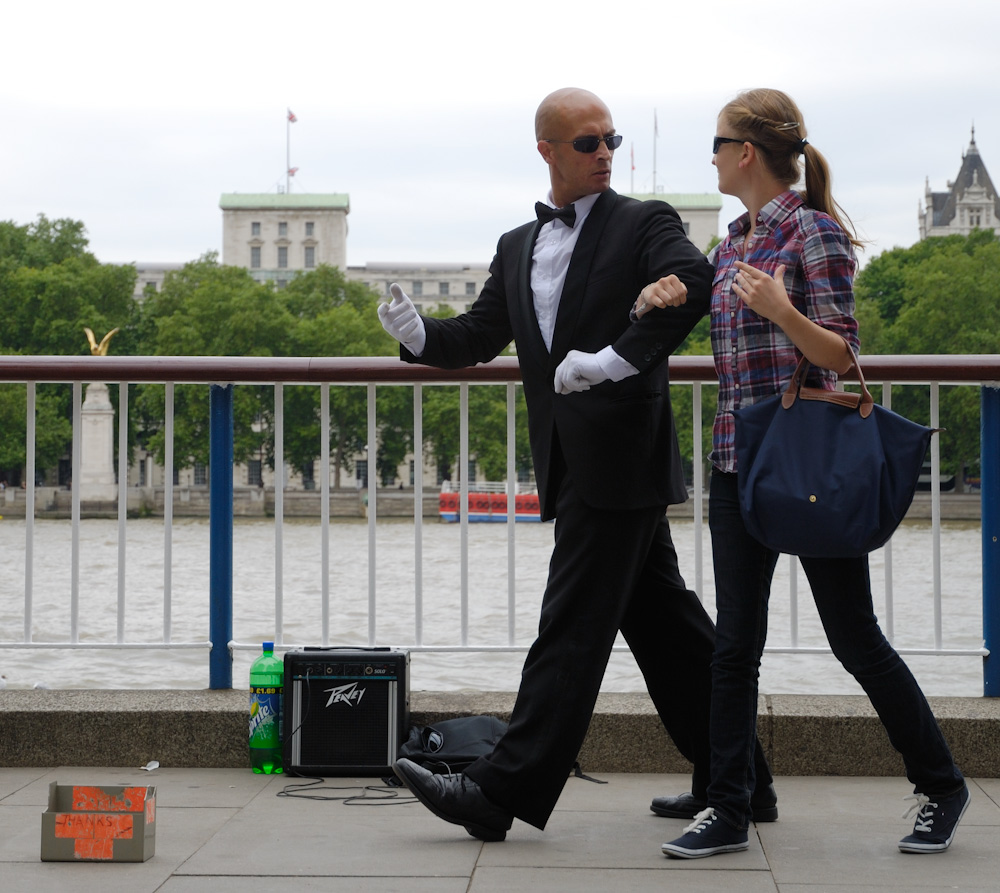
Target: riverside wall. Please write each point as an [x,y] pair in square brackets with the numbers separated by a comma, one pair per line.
[255,502]
[829,735]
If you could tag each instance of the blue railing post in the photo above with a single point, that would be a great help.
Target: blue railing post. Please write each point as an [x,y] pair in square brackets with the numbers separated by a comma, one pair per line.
[220,569]
[989,458]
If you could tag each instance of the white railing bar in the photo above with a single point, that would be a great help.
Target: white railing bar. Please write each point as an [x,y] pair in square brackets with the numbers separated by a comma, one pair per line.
[511,515]
[75,465]
[122,501]
[116,646]
[698,479]
[887,549]
[418,513]
[463,502]
[372,491]
[29,517]
[168,511]
[324,509]
[279,511]
[936,511]
[793,598]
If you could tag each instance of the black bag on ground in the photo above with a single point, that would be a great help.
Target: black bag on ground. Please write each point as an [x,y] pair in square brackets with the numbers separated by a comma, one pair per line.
[451,746]
[824,473]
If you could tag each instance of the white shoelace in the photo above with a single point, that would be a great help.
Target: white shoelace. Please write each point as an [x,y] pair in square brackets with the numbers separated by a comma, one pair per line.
[925,816]
[702,820]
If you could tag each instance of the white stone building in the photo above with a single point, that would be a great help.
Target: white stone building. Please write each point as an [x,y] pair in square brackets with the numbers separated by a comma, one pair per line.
[277,235]
[971,201]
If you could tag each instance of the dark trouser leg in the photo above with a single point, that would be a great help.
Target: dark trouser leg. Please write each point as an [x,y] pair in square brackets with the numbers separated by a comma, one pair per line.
[842,590]
[672,639]
[595,563]
[743,572]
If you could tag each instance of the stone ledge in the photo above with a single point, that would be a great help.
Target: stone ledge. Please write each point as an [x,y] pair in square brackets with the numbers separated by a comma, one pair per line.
[802,734]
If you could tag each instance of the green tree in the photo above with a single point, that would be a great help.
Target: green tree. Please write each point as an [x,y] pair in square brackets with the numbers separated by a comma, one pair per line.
[51,287]
[205,309]
[938,297]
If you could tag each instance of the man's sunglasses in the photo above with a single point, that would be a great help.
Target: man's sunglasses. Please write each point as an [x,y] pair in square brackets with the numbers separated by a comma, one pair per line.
[588,144]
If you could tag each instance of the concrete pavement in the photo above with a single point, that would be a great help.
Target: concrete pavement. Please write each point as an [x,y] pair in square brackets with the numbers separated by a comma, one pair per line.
[227,830]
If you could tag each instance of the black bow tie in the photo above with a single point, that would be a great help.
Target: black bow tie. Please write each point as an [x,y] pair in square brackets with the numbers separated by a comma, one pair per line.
[546,214]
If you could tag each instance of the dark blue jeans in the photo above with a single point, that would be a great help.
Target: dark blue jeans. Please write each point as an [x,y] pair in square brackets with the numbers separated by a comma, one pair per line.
[842,592]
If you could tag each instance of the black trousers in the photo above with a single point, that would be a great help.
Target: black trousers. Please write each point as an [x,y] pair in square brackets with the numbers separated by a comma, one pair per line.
[609,571]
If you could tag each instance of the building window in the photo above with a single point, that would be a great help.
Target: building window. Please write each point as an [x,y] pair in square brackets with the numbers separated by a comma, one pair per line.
[200,475]
[413,473]
[443,288]
[255,228]
[472,471]
[309,228]
[309,477]
[361,472]
[470,288]
[418,287]
[142,473]
[254,478]
[282,257]
[282,229]
[255,257]
[310,257]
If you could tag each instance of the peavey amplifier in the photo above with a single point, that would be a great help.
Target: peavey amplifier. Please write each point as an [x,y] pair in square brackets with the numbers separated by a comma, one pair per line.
[346,711]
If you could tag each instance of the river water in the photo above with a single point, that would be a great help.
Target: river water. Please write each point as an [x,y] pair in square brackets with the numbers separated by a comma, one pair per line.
[254,603]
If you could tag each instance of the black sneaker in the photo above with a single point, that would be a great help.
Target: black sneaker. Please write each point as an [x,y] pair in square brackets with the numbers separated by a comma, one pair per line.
[763,805]
[937,821]
[706,836]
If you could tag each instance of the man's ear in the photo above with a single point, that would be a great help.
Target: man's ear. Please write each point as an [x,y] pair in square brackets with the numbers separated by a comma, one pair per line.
[545,150]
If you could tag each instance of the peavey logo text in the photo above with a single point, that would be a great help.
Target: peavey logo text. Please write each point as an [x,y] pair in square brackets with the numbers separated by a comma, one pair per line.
[346,694]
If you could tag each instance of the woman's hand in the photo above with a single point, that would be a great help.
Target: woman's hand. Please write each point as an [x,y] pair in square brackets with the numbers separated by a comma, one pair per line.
[666,292]
[762,293]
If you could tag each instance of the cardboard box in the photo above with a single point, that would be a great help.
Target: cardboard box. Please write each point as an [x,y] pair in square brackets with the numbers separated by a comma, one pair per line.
[90,823]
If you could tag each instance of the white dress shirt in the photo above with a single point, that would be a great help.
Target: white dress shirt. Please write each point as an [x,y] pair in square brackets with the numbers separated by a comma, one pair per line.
[549,266]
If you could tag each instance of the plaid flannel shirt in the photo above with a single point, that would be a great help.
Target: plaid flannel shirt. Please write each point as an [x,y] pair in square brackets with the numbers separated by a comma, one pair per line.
[754,359]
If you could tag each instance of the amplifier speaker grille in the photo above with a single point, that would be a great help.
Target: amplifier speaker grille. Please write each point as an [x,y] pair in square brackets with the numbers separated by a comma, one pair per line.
[346,712]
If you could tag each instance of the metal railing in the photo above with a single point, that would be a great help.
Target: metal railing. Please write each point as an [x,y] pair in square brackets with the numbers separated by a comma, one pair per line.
[222,373]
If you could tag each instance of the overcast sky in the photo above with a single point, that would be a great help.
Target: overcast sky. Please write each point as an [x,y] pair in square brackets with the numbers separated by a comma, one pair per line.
[134,118]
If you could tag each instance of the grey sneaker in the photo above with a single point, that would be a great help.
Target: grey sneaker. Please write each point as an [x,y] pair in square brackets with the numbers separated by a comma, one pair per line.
[937,821]
[706,836]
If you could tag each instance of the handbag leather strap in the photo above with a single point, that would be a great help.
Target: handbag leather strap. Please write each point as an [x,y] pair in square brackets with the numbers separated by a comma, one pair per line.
[863,402]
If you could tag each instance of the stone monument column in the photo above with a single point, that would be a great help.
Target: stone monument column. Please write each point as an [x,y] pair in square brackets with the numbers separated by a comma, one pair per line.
[97,447]
[97,453]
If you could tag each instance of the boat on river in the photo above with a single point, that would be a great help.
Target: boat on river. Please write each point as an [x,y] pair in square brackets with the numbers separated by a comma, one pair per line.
[487,502]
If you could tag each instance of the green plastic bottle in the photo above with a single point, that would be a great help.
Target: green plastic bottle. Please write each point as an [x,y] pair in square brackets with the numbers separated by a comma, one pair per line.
[267,677]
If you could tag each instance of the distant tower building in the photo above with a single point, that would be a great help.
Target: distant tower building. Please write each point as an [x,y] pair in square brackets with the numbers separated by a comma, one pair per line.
[275,236]
[971,201]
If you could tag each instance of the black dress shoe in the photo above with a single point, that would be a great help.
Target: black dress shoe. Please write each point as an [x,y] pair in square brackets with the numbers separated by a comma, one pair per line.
[456,799]
[763,805]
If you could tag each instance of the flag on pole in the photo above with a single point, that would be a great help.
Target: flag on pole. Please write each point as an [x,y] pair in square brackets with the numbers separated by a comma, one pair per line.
[291,116]
[632,146]
[291,171]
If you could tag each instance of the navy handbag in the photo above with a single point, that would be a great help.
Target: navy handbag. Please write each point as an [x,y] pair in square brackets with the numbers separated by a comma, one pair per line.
[823,473]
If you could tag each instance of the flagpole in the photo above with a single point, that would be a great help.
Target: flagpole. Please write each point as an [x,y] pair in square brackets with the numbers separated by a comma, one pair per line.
[631,187]
[288,151]
[656,131]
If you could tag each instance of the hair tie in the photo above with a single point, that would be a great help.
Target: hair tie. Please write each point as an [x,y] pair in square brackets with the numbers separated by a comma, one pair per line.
[800,147]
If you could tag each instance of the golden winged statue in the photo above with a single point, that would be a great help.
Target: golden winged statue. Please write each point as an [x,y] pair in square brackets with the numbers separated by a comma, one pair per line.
[100,350]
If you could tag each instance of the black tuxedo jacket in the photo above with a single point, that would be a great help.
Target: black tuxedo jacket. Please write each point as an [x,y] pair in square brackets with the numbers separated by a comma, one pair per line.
[617,439]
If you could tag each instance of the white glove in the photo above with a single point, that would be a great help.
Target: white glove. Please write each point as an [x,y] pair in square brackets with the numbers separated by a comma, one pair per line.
[579,371]
[401,320]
